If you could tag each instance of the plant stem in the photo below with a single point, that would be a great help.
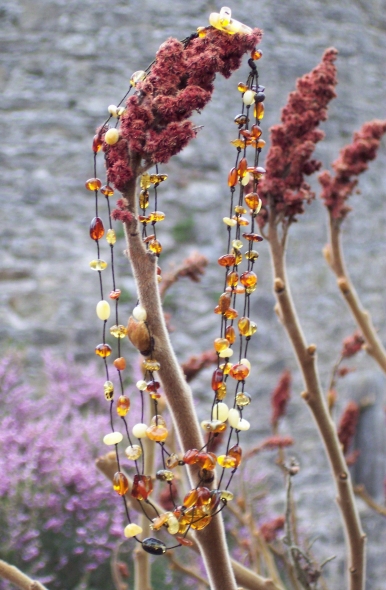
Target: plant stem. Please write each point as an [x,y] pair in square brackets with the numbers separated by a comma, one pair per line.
[14,575]
[305,355]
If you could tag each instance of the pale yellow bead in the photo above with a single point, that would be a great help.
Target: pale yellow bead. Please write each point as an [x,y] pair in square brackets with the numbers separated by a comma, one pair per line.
[139,313]
[225,354]
[138,76]
[139,430]
[226,495]
[112,109]
[120,111]
[237,244]
[225,16]
[132,530]
[172,524]
[243,425]
[111,237]
[246,179]
[141,385]
[113,438]
[229,221]
[233,417]
[103,310]
[220,412]
[133,452]
[249,97]
[246,363]
[112,136]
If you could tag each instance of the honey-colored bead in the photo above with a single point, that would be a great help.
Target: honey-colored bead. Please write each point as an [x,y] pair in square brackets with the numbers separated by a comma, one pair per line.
[258,111]
[145,181]
[230,334]
[232,177]
[226,260]
[220,412]
[249,97]
[204,495]
[108,388]
[256,132]
[201,31]
[238,256]
[139,430]
[221,391]
[252,237]
[190,498]
[201,523]
[237,244]
[253,201]
[214,426]
[217,379]
[112,136]
[191,457]
[241,220]
[226,367]
[120,363]
[229,221]
[103,310]
[243,399]
[111,237]
[237,453]
[93,184]
[252,255]
[96,229]
[241,87]
[123,405]
[242,167]
[238,143]
[144,219]
[172,461]
[256,54]
[220,344]
[98,264]
[226,353]
[155,247]
[250,290]
[118,331]
[158,522]
[120,483]
[164,475]
[240,210]
[138,76]
[157,433]
[239,372]
[207,460]
[231,314]
[183,527]
[241,119]
[107,191]
[244,326]
[157,216]
[103,350]
[226,462]
[132,530]
[113,438]
[97,144]
[232,279]
[224,302]
[133,452]
[151,365]
[248,279]
[142,487]
[144,199]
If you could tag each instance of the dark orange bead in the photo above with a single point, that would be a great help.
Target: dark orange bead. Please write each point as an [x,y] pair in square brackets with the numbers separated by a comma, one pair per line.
[190,498]
[253,237]
[96,229]
[232,280]
[207,461]
[217,379]
[231,314]
[232,177]
[97,143]
[252,200]
[226,260]
[236,453]
[248,279]
[191,457]
[256,131]
[239,372]
[230,334]
[103,350]
[242,168]
[142,487]
[224,302]
[120,363]
[115,294]
[256,54]
[107,191]
[203,496]
[184,541]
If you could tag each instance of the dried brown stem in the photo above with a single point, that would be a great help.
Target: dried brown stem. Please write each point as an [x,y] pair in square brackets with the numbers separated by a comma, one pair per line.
[14,575]
[362,317]
[305,355]
[361,491]
[192,268]
[245,577]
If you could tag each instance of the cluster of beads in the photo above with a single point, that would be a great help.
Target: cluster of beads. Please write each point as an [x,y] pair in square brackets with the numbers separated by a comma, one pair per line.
[200,504]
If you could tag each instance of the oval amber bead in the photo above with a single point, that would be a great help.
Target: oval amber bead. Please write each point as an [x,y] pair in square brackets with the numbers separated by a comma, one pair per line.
[232,177]
[113,438]
[207,460]
[120,363]
[220,344]
[253,200]
[256,132]
[244,325]
[217,379]
[111,237]
[242,168]
[248,279]
[123,405]
[142,487]
[243,399]
[241,220]
[144,219]
[144,199]
[253,237]
[238,256]
[226,462]
[240,210]
[231,314]
[103,310]
[236,452]
[224,302]
[221,391]
[252,255]
[96,229]
[256,54]
[103,350]
[158,522]
[242,87]
[201,523]
[230,334]
[232,279]
[239,372]
[98,264]
[204,495]
[155,247]
[93,184]
[157,433]
[190,498]
[133,452]
[259,111]
[190,457]
[107,191]
[157,216]
[120,483]
[97,144]
[118,331]
[226,260]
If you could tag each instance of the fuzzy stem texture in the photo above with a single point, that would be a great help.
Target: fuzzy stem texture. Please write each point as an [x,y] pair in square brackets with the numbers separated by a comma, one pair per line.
[14,575]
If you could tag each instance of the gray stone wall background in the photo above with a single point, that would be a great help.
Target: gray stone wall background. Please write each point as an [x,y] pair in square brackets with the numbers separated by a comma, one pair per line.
[62,64]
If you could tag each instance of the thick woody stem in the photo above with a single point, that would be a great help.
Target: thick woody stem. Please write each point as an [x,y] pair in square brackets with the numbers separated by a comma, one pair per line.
[305,355]
[178,394]
[14,575]
[362,317]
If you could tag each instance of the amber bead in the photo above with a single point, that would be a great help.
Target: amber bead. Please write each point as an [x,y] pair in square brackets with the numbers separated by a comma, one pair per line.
[157,433]
[253,200]
[184,541]
[144,219]
[111,237]
[97,143]
[112,438]
[237,244]
[213,425]
[103,350]
[112,136]
[240,210]
[220,344]
[244,325]
[152,386]
[220,412]
[93,184]
[239,372]
[103,310]
[157,216]
[238,256]
[242,167]
[243,399]
[98,264]
[132,530]
[207,461]
[226,462]
[120,483]
[236,453]
[231,314]
[144,199]
[230,334]
[204,495]
[153,546]
[248,278]
[224,302]
[172,461]
[217,379]
[256,132]
[151,365]
[142,487]
[221,392]
[232,177]
[253,237]
[183,527]
[241,87]
[108,388]
[232,279]
[256,54]
[190,498]
[123,405]
[241,119]
[120,363]
[201,523]
[133,452]
[164,475]
[238,143]
[258,111]
[252,255]
[226,495]
[145,181]
[118,331]
[260,144]
[190,457]
[107,191]
[241,220]
[226,367]
[159,522]
[215,500]
[226,260]
[155,247]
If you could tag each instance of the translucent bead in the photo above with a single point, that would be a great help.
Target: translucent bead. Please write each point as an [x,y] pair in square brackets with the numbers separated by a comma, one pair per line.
[229,221]
[232,177]
[172,461]
[256,133]
[248,278]
[204,495]
[153,386]
[239,372]
[157,433]
[238,143]
[220,344]
[151,365]
[118,331]
[217,379]
[230,334]
[123,405]
[103,350]
[226,260]
[120,363]
[144,219]
[226,354]
[98,264]
[184,541]
[220,412]
[232,279]
[139,313]
[112,110]
[232,28]
[231,314]
[258,111]
[139,430]
[242,168]
[253,201]
[164,475]
[243,399]
[238,256]
[221,391]
[201,31]
[241,87]
[107,191]
[252,255]
[190,498]
[144,199]
[260,143]
[226,462]
[240,210]
[251,289]
[201,523]
[155,247]
[243,425]
[132,530]
[225,16]
[226,367]
[157,216]
[241,119]
[145,181]
[111,237]
[246,363]
[108,388]
[252,237]
[256,54]
[158,522]
[246,179]
[237,244]
[213,426]
[244,325]
[133,452]
[138,76]
[120,483]
[237,453]
[142,487]
[113,438]
[233,417]
[112,136]
[207,460]
[96,229]
[172,524]
[153,546]
[249,97]
[103,310]
[93,184]
[97,144]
